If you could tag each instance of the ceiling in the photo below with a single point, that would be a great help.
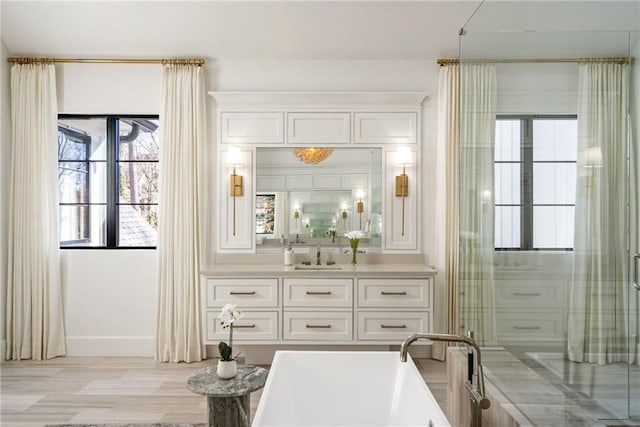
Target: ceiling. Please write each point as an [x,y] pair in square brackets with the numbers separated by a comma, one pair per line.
[311,30]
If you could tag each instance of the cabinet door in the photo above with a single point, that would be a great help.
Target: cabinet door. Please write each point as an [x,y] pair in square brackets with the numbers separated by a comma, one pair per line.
[244,292]
[251,128]
[386,128]
[318,293]
[318,128]
[386,293]
[253,326]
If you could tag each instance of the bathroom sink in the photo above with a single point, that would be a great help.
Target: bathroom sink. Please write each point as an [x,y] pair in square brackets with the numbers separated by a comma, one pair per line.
[318,267]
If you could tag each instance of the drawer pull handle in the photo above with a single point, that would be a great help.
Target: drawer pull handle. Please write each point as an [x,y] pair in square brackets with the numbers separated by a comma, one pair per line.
[393,326]
[528,328]
[318,326]
[392,293]
[318,293]
[527,294]
[244,326]
[242,293]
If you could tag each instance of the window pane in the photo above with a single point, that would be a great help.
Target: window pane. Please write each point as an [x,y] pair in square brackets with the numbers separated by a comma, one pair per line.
[554,183]
[138,224]
[507,227]
[553,226]
[139,139]
[507,183]
[83,225]
[73,182]
[94,130]
[507,140]
[139,182]
[555,139]
[71,147]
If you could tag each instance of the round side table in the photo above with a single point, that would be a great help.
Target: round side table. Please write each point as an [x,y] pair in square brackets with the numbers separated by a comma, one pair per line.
[228,400]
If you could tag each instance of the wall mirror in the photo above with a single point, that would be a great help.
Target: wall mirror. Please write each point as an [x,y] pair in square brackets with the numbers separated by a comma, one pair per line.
[310,193]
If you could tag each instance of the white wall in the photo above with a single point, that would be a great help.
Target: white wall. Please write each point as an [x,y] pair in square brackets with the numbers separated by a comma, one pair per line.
[109,295]
[5,168]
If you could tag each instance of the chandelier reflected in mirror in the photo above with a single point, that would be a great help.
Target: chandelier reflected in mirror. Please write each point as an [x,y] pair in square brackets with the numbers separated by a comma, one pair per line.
[312,155]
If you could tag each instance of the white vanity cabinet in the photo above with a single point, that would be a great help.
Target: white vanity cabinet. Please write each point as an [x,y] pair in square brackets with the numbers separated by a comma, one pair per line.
[372,305]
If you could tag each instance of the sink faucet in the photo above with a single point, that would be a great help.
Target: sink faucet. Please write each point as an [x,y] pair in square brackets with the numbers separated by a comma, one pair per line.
[478,397]
[297,238]
[318,255]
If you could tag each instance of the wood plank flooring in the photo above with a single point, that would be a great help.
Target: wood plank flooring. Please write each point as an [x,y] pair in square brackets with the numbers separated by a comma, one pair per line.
[121,390]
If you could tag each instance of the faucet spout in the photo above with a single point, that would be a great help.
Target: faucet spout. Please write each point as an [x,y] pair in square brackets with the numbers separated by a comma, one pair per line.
[318,255]
[478,396]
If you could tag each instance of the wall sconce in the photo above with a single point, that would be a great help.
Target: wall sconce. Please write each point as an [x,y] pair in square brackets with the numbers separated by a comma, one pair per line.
[344,215]
[234,159]
[360,205]
[404,159]
[296,214]
[592,161]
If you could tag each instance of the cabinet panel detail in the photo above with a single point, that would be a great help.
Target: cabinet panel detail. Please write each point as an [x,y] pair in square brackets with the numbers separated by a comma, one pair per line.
[326,181]
[270,183]
[244,292]
[386,128]
[406,293]
[252,128]
[529,325]
[299,182]
[254,325]
[392,325]
[318,326]
[318,293]
[318,128]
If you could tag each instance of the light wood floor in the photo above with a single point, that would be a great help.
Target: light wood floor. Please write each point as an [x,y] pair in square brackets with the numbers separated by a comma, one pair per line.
[121,390]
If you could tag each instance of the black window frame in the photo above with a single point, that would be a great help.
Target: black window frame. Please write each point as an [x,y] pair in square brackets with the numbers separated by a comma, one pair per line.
[112,163]
[526,178]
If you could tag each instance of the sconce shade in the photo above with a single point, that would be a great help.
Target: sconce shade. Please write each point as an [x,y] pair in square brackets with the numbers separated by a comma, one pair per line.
[593,157]
[312,155]
[403,156]
[234,156]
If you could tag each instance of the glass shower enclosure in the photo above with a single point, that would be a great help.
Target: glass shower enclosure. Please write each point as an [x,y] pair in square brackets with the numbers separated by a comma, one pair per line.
[549,233]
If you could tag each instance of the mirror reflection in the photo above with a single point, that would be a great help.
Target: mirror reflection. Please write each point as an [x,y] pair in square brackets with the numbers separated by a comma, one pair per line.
[309,195]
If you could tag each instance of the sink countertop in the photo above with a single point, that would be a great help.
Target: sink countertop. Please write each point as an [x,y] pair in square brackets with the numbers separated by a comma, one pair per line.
[346,270]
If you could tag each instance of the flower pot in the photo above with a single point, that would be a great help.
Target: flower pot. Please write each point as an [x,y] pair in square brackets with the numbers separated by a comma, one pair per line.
[227,369]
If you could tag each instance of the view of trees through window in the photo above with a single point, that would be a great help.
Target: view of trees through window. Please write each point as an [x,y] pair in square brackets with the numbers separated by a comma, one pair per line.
[108,181]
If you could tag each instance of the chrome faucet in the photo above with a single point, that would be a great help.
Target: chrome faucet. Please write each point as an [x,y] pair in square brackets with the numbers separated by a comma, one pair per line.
[318,255]
[477,394]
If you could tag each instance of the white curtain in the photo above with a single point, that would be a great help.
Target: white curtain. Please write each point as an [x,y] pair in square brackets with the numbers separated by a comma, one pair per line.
[35,320]
[599,302]
[478,97]
[182,144]
[447,203]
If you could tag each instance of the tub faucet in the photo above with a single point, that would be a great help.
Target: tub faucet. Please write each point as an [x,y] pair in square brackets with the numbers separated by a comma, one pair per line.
[318,255]
[477,394]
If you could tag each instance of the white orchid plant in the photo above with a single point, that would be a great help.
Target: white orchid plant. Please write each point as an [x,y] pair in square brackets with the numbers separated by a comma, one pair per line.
[354,238]
[229,314]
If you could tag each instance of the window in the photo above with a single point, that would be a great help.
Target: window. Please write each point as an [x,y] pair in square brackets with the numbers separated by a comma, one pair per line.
[535,182]
[108,181]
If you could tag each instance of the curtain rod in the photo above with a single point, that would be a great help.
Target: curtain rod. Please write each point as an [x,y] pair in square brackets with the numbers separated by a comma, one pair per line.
[184,61]
[616,60]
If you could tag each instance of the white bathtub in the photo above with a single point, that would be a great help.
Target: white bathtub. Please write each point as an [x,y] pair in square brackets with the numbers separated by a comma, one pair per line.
[335,388]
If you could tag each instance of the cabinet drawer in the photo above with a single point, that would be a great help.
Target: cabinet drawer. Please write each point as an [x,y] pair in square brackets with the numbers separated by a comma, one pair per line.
[244,292]
[320,326]
[318,292]
[253,326]
[391,326]
[410,293]
[512,294]
[533,325]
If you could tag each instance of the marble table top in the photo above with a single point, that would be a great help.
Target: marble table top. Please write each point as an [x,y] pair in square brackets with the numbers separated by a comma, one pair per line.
[205,381]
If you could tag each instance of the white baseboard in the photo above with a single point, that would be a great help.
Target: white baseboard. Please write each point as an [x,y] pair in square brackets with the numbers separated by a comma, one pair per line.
[111,346]
[263,354]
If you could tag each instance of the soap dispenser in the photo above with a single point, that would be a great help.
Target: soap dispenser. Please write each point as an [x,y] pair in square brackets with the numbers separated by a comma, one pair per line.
[288,256]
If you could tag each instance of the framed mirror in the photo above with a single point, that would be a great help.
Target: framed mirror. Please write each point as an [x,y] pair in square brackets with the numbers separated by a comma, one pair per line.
[305,194]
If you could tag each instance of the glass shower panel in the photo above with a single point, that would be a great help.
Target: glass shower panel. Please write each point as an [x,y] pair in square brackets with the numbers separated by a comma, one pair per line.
[531,186]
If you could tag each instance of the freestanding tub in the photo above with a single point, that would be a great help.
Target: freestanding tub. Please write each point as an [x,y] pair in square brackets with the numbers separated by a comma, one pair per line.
[335,388]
